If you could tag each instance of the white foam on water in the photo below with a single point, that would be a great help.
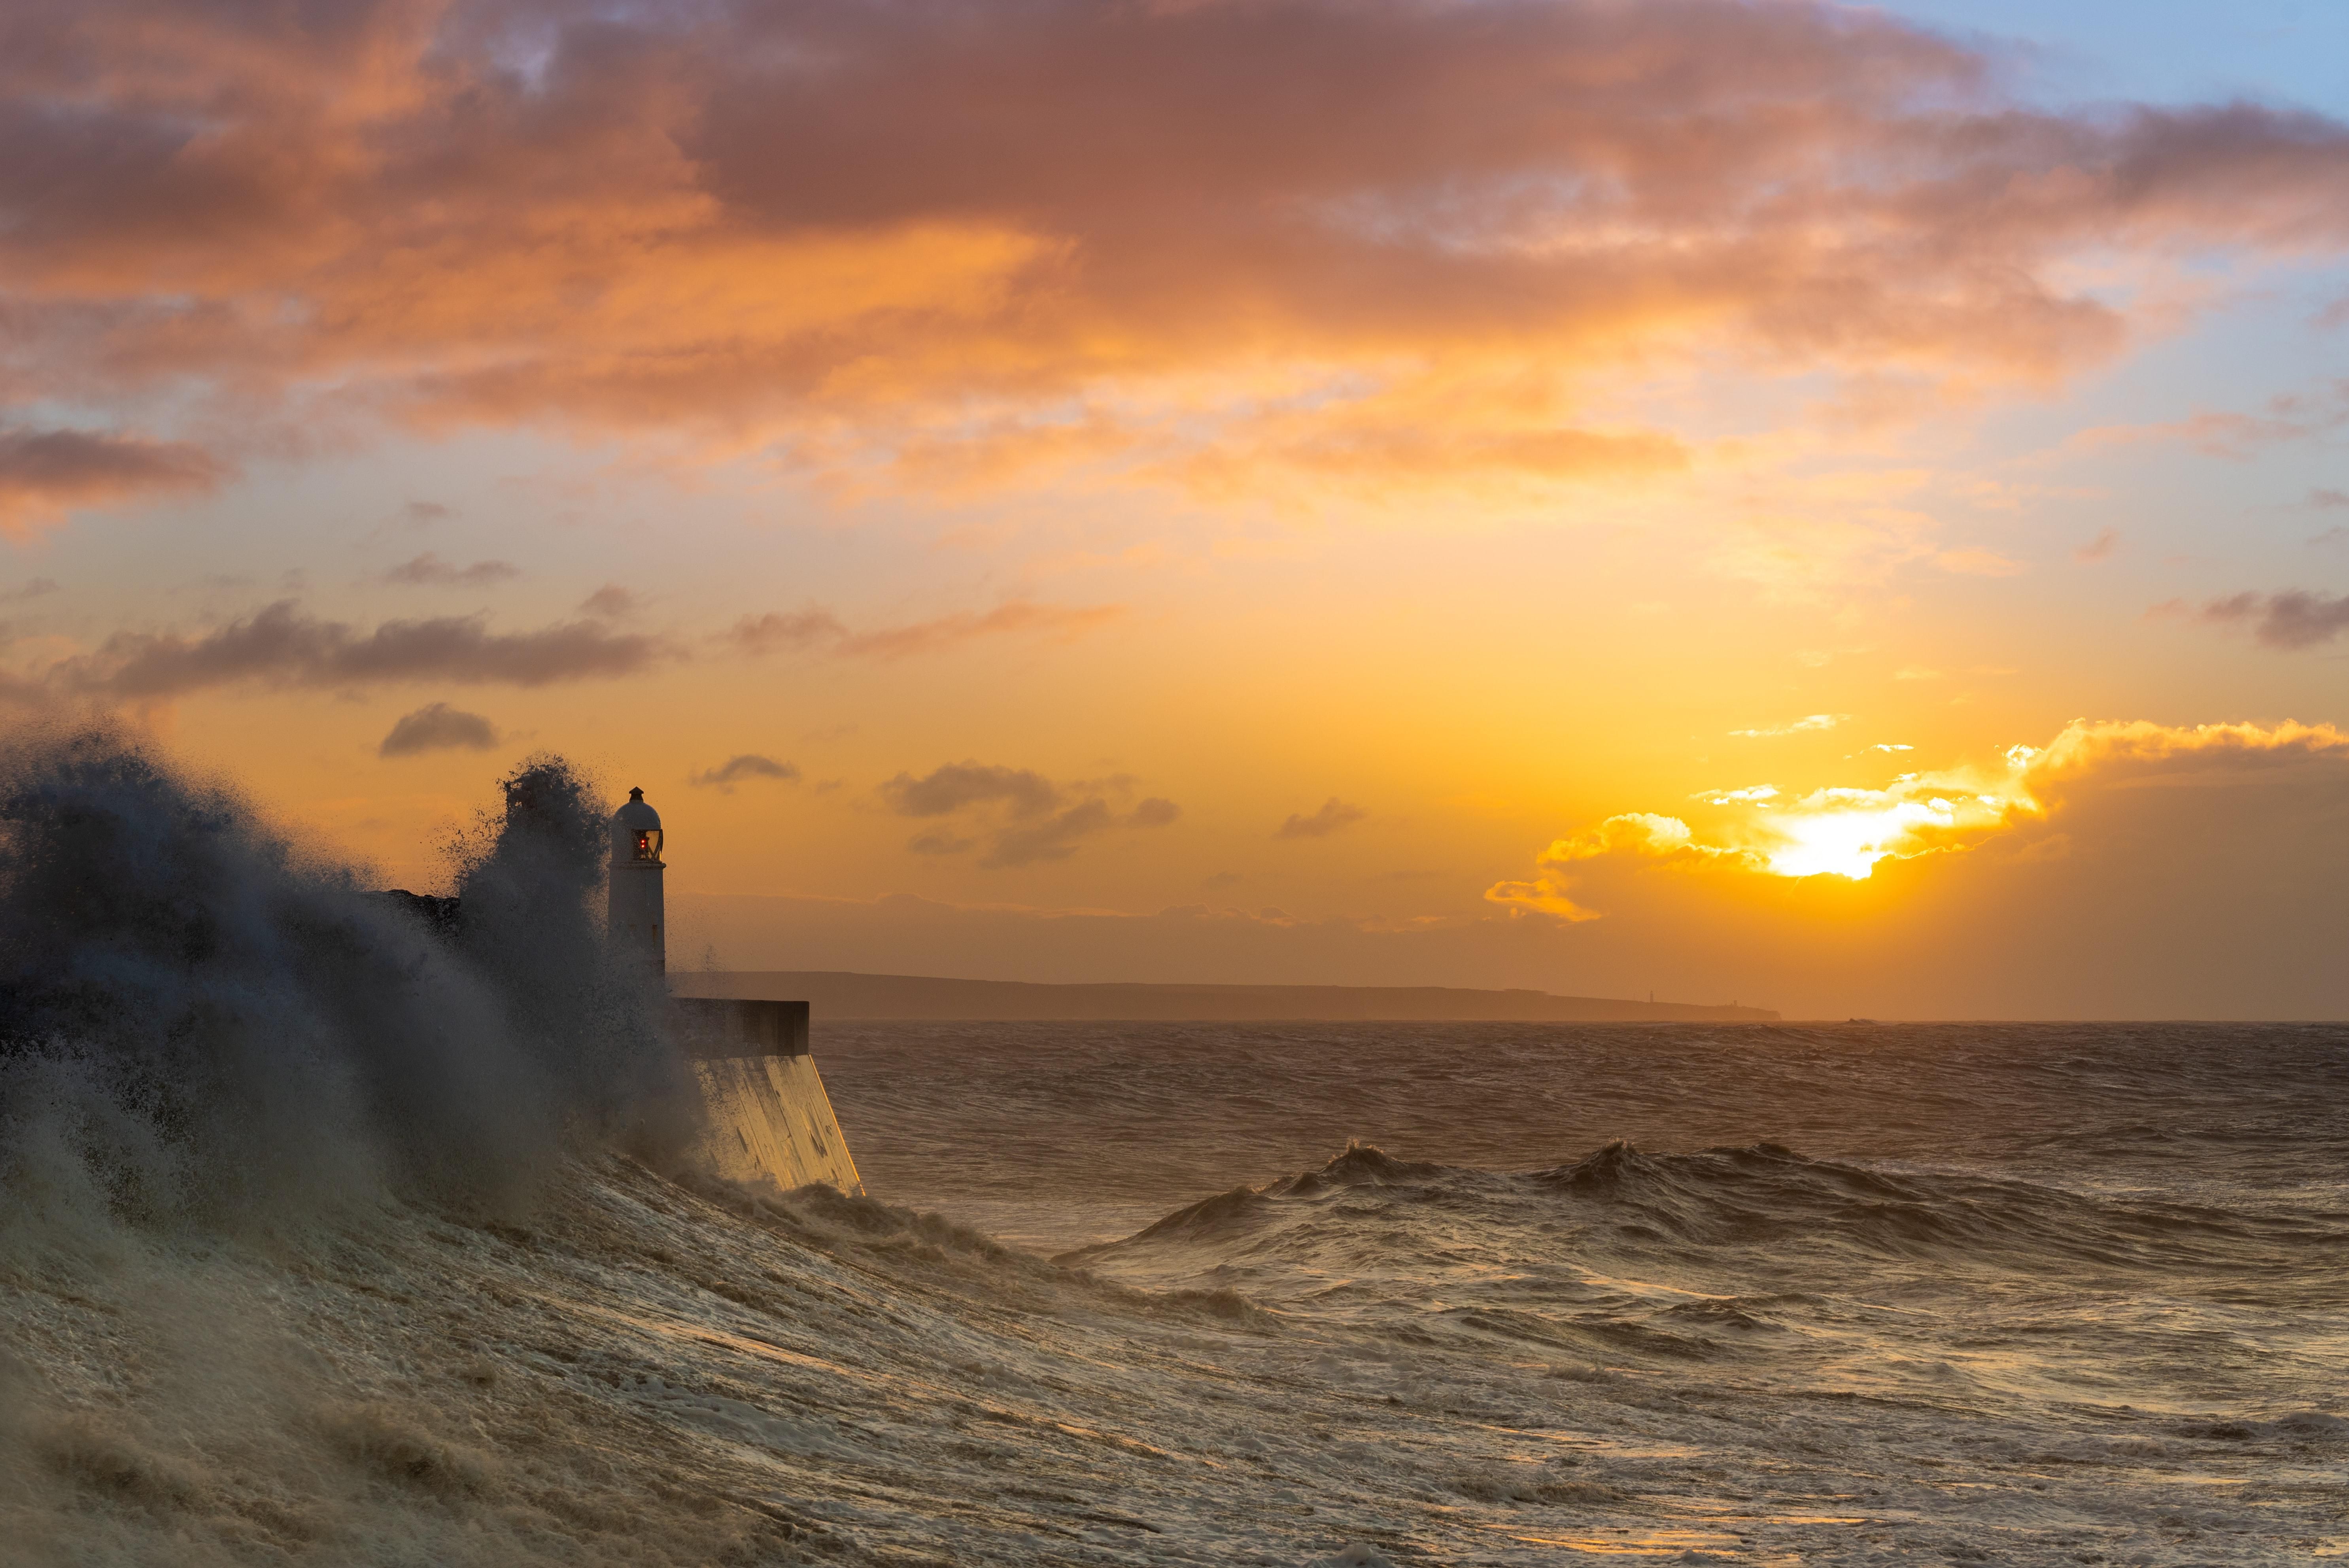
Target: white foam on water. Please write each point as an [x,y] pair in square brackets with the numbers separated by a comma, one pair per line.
[643,1372]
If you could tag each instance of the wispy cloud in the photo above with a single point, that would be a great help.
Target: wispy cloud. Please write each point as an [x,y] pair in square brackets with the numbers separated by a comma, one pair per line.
[2291,620]
[1057,622]
[1057,837]
[280,645]
[1752,795]
[437,727]
[2286,417]
[1033,819]
[1800,726]
[1332,816]
[760,634]
[1978,562]
[429,571]
[742,770]
[2329,500]
[955,785]
[819,630]
[610,603]
[2101,548]
[45,473]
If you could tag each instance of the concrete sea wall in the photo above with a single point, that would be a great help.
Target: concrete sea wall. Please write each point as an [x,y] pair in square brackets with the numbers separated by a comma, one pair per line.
[770,1119]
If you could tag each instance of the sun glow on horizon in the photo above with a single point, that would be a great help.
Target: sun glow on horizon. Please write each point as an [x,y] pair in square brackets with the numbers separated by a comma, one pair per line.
[1847,841]
[1846,832]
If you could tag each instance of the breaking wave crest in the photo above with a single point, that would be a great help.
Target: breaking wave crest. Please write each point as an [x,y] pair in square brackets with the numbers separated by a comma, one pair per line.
[1753,1257]
[1763,1196]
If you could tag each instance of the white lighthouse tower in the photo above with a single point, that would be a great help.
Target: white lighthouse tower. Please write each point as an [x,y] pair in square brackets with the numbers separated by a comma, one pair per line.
[634,924]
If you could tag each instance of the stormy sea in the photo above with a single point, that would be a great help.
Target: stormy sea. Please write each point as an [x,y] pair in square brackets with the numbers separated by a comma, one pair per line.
[328,1238]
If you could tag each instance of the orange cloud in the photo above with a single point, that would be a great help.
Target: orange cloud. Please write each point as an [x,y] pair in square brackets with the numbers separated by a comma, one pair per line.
[1634,835]
[933,245]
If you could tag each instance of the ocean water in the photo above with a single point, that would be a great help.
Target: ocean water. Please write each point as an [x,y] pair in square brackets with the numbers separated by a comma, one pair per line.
[327,1240]
[2072,1293]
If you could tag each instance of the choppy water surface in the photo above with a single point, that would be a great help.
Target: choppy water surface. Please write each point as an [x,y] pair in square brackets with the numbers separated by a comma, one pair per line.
[2015,1264]
[1061,1134]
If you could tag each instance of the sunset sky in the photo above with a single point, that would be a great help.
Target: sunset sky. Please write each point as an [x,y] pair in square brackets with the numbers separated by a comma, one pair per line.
[1836,508]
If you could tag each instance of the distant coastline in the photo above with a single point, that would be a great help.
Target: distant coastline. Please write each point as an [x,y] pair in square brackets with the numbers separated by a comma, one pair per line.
[841,993]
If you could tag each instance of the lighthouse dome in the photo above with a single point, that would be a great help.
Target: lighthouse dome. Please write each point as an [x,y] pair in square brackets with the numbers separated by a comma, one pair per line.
[636,831]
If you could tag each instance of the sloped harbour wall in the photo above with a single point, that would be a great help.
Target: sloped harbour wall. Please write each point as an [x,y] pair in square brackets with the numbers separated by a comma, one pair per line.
[770,1120]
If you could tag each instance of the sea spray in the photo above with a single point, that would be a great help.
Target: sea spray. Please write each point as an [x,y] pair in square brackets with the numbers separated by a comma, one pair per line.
[200,1020]
[527,880]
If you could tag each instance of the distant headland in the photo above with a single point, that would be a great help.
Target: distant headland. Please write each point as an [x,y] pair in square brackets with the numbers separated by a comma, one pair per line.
[841,994]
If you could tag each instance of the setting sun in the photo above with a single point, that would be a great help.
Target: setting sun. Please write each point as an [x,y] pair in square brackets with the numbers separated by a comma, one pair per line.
[1848,843]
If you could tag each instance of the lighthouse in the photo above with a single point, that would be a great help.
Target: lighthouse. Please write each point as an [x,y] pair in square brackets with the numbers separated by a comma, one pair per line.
[766,1119]
[634,924]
